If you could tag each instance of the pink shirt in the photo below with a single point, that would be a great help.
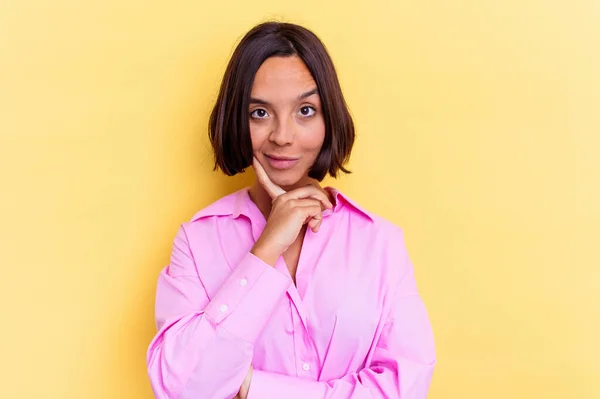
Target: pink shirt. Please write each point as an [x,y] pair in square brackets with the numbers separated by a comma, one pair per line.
[353,326]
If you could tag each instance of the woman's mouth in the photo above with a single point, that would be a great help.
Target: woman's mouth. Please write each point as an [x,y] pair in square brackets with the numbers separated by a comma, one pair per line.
[281,162]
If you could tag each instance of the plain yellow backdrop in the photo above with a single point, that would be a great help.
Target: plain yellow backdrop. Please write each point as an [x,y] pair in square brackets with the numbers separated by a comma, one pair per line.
[478,133]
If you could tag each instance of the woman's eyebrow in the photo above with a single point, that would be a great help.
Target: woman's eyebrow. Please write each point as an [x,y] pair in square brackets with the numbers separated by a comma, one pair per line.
[308,94]
[258,101]
[300,97]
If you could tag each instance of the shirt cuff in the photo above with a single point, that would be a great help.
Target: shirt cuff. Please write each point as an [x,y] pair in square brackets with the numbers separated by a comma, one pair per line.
[246,300]
[265,385]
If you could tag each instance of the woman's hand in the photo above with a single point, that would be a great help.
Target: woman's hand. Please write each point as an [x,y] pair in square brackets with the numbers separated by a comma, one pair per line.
[290,211]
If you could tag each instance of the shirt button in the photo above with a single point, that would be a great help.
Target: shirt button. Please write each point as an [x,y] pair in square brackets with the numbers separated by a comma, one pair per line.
[243,282]
[223,308]
[306,367]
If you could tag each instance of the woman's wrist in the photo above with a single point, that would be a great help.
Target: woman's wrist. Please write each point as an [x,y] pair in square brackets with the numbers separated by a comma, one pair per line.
[265,253]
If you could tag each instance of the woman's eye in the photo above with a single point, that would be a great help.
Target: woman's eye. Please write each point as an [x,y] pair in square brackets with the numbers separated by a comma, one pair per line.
[259,113]
[307,111]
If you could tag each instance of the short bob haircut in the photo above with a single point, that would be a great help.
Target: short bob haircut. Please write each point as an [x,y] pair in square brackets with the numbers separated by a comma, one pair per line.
[229,129]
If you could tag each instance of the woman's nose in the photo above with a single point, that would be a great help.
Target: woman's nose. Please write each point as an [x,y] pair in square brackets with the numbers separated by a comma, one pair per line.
[283,133]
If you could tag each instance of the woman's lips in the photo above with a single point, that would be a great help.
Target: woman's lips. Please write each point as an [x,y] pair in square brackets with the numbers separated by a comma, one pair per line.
[281,163]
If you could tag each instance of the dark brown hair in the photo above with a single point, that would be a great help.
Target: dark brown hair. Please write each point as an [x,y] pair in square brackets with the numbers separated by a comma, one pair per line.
[229,129]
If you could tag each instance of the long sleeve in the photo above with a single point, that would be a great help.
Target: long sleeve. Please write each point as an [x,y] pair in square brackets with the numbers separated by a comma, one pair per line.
[203,348]
[401,367]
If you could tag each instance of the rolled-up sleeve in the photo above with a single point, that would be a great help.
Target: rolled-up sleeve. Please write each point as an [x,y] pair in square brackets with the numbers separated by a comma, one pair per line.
[203,348]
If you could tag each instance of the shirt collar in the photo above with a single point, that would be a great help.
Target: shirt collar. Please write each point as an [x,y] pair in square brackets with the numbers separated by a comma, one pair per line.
[239,203]
[341,199]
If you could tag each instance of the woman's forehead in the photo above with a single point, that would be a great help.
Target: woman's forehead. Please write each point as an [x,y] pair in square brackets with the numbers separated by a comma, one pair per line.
[283,76]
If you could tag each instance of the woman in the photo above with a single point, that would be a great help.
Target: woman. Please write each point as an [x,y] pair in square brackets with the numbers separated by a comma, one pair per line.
[287,289]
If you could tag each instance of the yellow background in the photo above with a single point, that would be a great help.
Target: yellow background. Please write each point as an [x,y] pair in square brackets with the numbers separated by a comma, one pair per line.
[478,126]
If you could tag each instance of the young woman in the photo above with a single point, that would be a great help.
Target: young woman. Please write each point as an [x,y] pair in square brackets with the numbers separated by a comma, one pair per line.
[287,289]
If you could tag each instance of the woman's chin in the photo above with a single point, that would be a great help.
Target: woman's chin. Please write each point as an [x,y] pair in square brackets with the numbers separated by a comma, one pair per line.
[286,179]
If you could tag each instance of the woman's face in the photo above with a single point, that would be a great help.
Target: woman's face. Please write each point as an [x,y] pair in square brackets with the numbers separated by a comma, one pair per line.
[286,120]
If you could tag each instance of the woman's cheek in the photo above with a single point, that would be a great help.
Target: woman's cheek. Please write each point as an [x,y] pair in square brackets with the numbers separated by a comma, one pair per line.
[317,136]
[256,136]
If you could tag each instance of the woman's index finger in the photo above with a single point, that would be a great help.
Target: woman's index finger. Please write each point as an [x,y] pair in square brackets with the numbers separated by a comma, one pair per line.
[272,189]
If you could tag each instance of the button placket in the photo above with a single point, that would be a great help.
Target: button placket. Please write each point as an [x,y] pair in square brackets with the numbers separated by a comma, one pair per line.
[302,351]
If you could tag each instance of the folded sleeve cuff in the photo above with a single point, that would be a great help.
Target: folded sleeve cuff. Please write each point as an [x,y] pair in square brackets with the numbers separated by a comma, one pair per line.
[248,297]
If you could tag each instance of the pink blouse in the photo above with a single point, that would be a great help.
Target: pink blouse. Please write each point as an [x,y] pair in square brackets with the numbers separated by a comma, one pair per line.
[353,326]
